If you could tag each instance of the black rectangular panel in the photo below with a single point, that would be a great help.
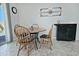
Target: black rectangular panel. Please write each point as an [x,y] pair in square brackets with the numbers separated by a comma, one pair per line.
[66,32]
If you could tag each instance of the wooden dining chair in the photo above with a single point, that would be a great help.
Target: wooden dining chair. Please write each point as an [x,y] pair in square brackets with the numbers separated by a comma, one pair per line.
[47,39]
[15,27]
[24,38]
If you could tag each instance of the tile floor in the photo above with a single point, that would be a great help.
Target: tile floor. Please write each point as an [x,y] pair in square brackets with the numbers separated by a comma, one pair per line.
[60,48]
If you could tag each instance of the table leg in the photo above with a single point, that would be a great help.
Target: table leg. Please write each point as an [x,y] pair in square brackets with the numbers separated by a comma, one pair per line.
[36,44]
[37,37]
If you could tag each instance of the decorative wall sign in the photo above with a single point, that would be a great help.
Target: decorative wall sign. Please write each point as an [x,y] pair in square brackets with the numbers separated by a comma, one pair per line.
[55,11]
[14,10]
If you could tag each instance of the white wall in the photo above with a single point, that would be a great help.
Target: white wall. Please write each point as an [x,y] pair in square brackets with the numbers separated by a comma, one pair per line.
[29,14]
[14,17]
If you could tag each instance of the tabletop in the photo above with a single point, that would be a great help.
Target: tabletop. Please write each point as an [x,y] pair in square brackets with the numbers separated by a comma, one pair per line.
[40,29]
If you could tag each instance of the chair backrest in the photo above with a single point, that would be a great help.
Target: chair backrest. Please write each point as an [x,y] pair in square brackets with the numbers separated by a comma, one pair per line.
[35,26]
[21,32]
[50,32]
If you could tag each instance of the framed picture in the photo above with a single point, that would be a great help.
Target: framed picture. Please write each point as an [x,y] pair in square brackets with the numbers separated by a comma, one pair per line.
[48,12]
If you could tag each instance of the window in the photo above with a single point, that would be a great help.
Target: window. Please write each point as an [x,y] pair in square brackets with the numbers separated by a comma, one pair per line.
[1,13]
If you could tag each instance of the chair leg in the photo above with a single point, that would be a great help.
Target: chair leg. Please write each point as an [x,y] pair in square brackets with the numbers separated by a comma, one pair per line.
[34,44]
[51,42]
[28,53]
[16,44]
[50,48]
[18,50]
[41,42]
[28,50]
[50,45]
[25,47]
